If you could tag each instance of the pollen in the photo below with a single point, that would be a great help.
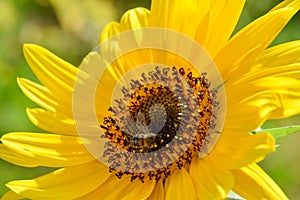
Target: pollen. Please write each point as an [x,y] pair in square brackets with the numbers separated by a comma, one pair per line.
[168,108]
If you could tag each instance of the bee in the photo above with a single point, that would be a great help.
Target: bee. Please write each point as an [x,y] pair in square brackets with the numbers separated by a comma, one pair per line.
[144,142]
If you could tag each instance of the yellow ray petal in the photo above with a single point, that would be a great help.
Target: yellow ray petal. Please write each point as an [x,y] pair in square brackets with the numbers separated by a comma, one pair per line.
[51,70]
[38,94]
[52,122]
[287,3]
[279,55]
[211,181]
[110,30]
[232,58]
[158,192]
[290,70]
[202,27]
[252,182]
[280,60]
[278,65]
[45,98]
[111,189]
[222,19]
[65,183]
[239,149]
[178,15]
[139,191]
[28,160]
[10,195]
[123,188]
[254,104]
[160,13]
[270,101]
[287,91]
[180,186]
[92,85]
[213,22]
[48,149]
[110,49]
[134,18]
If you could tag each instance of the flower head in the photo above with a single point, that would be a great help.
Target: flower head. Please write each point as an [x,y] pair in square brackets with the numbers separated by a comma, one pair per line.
[162,109]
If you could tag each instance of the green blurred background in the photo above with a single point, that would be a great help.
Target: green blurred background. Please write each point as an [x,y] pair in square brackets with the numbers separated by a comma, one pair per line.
[70,29]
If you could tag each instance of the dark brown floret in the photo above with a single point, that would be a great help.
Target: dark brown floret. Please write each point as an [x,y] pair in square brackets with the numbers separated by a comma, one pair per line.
[135,125]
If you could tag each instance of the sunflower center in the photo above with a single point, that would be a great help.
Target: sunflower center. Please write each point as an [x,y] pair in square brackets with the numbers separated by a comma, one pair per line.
[165,115]
[153,118]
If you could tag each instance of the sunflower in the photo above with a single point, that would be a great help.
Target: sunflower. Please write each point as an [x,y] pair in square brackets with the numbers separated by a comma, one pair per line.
[165,108]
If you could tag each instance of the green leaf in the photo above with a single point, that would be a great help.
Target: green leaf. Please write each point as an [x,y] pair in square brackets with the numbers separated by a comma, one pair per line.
[281,131]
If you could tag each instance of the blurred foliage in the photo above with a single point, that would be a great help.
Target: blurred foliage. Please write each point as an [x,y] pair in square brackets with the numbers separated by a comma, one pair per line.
[70,29]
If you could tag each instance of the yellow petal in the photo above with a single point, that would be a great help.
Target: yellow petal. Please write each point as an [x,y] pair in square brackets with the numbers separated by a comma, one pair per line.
[286,71]
[178,15]
[51,71]
[240,149]
[134,18]
[65,183]
[10,195]
[180,186]
[110,189]
[123,188]
[213,22]
[222,19]
[252,182]
[263,100]
[27,160]
[38,94]
[158,193]
[211,181]
[48,149]
[287,91]
[279,65]
[287,3]
[281,60]
[234,58]
[110,30]
[140,190]
[45,98]
[52,122]
[164,10]
[279,55]
[249,108]
[202,27]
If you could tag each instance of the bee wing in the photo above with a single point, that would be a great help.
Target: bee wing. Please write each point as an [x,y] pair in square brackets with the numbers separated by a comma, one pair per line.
[158,117]
[129,126]
[140,123]
[140,120]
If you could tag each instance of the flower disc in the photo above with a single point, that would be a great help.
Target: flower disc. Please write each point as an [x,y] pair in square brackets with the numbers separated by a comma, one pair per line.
[153,99]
